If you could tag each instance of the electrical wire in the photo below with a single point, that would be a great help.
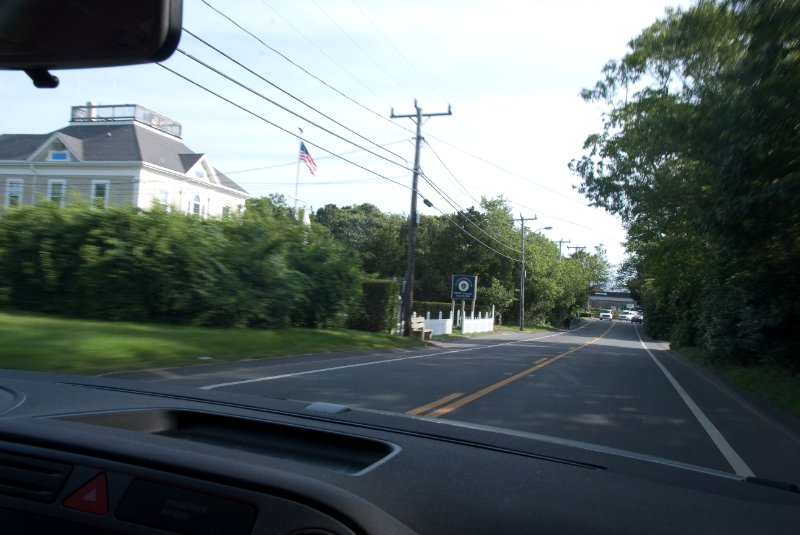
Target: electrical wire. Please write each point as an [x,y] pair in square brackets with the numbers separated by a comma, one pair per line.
[284,108]
[557,218]
[297,136]
[304,70]
[321,51]
[378,65]
[324,157]
[287,93]
[399,125]
[399,53]
[505,170]
[464,189]
[463,213]
[465,231]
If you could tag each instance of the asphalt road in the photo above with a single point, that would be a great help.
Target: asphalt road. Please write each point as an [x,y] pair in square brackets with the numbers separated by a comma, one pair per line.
[600,384]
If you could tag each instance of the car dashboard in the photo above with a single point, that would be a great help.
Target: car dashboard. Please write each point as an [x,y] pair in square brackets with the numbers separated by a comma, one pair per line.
[96,456]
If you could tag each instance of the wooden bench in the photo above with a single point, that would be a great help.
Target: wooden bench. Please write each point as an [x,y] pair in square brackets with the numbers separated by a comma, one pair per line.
[418,328]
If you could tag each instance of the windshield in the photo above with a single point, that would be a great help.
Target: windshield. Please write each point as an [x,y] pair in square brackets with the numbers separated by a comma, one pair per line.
[425,208]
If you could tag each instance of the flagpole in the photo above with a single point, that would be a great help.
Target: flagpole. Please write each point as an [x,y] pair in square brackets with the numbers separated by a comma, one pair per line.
[297,181]
[297,173]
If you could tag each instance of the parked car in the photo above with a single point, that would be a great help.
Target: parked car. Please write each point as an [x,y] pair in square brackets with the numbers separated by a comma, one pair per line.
[637,318]
[606,314]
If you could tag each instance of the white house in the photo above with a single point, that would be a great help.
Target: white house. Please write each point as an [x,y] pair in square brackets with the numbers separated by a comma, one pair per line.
[114,155]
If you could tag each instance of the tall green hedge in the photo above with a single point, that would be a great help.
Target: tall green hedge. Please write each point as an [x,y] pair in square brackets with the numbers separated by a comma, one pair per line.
[377,308]
[262,269]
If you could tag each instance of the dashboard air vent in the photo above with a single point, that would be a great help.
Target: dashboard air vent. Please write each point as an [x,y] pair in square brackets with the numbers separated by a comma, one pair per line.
[31,478]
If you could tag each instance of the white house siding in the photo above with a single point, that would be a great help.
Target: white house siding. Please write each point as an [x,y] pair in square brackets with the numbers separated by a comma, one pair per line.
[181,190]
[136,164]
[128,185]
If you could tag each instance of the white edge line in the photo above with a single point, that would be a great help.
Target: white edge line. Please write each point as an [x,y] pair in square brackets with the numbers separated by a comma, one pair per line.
[346,366]
[733,458]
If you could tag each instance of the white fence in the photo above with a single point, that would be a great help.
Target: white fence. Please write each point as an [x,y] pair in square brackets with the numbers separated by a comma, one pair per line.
[480,324]
[438,326]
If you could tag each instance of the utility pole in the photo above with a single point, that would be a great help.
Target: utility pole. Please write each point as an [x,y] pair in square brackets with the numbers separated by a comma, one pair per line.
[560,243]
[577,247]
[522,220]
[408,291]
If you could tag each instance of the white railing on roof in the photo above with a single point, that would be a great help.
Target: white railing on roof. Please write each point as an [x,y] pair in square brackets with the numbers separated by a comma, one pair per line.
[92,113]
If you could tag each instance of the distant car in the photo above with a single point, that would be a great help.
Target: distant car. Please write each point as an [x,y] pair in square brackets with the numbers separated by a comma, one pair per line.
[627,315]
[637,318]
[606,314]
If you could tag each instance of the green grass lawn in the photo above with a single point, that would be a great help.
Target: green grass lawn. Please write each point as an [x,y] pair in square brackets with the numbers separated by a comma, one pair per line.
[35,342]
[774,385]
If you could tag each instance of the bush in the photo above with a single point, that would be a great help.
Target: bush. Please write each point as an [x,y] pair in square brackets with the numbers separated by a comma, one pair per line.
[377,308]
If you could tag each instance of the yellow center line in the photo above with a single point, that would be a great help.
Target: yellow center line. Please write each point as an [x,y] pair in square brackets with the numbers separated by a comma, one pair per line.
[540,360]
[491,388]
[434,404]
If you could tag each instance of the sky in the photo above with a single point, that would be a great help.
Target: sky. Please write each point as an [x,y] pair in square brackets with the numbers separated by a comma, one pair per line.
[510,71]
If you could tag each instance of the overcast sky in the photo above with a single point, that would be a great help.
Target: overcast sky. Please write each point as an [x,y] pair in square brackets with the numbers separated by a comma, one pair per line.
[512,72]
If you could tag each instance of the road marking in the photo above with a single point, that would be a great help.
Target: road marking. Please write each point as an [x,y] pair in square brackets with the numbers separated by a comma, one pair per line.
[491,388]
[733,458]
[370,363]
[540,360]
[434,404]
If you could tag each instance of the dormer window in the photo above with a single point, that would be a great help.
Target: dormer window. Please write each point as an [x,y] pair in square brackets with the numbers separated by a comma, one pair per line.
[58,156]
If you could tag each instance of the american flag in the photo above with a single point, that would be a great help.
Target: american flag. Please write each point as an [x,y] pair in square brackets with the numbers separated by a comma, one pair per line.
[306,157]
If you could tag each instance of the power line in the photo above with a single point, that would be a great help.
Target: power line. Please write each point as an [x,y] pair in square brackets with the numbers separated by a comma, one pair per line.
[325,183]
[463,212]
[382,117]
[567,221]
[377,64]
[303,69]
[399,53]
[284,108]
[287,93]
[465,231]
[257,116]
[321,51]
[505,170]
[324,157]
[464,189]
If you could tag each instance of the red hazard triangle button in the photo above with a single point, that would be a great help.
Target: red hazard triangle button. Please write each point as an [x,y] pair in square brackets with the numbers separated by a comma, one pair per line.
[90,498]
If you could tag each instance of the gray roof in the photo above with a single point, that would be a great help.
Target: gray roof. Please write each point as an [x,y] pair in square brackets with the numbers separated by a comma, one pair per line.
[112,142]
[20,146]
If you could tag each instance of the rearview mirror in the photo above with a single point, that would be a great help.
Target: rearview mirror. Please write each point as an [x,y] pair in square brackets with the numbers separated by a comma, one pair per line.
[39,35]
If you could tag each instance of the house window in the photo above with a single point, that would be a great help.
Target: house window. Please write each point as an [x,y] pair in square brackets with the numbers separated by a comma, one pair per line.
[13,192]
[162,197]
[226,211]
[100,193]
[58,156]
[196,205]
[56,190]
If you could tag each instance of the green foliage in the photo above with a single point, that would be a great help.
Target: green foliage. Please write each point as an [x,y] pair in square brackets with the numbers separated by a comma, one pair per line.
[377,308]
[699,158]
[265,269]
[478,241]
[262,269]
[378,239]
[434,307]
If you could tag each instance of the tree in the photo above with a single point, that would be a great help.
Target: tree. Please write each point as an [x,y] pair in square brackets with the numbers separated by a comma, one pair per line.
[377,238]
[698,158]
